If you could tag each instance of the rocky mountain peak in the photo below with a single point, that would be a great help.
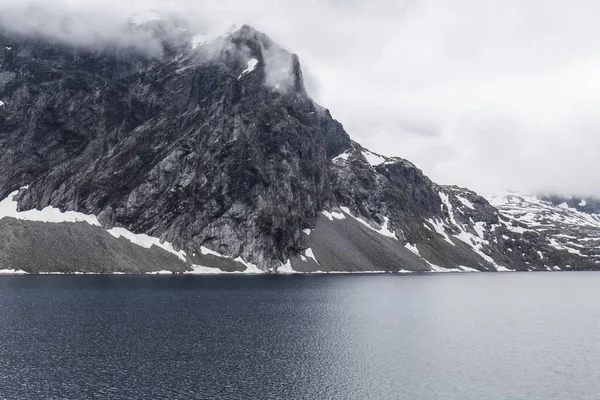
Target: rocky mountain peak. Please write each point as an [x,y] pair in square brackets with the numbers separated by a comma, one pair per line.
[282,69]
[215,152]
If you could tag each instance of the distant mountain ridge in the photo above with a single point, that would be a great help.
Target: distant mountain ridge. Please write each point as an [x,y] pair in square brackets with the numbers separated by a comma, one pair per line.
[213,158]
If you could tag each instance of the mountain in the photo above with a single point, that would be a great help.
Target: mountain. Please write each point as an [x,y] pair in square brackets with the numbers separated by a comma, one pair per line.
[212,157]
[566,224]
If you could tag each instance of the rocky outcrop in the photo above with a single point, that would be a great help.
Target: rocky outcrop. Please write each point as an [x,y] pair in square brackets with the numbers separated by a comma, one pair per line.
[218,150]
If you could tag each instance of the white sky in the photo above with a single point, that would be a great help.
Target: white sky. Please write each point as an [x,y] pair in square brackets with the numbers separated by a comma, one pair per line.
[488,94]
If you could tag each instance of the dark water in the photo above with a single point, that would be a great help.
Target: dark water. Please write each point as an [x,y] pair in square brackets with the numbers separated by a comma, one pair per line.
[471,336]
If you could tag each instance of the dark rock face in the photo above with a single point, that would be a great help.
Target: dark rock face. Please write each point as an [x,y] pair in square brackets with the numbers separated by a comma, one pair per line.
[220,146]
[185,150]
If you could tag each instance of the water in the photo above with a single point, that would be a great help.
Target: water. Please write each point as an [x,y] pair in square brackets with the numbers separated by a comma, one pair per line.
[468,336]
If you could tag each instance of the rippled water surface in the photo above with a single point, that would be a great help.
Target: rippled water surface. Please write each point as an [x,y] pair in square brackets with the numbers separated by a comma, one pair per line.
[468,336]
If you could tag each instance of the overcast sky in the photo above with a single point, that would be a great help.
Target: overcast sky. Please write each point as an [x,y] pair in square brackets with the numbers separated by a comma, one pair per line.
[492,95]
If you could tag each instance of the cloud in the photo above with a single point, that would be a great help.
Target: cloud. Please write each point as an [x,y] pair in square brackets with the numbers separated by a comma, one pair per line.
[489,94]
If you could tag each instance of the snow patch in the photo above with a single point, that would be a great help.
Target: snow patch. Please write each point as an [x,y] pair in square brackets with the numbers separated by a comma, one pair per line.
[12,272]
[202,270]
[206,251]
[466,202]
[1,103]
[582,203]
[146,241]
[344,156]
[373,159]
[252,63]
[333,215]
[438,226]
[8,208]
[250,268]
[354,272]
[500,268]
[468,269]
[574,251]
[476,243]
[446,200]
[161,272]
[437,268]
[412,248]
[384,230]
[517,229]
[307,231]
[309,253]
[286,268]
[480,229]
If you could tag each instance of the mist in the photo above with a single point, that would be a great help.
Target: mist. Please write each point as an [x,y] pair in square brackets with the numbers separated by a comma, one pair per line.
[494,95]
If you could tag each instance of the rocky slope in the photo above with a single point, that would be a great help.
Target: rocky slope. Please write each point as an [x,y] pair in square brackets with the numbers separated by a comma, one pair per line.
[212,157]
